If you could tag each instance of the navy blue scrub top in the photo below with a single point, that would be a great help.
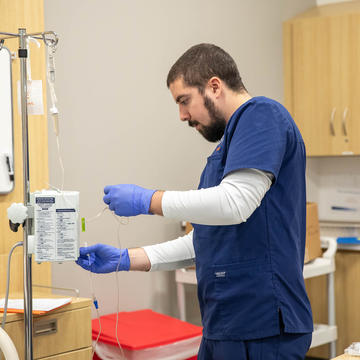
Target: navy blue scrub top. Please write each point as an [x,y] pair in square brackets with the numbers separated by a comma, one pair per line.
[250,274]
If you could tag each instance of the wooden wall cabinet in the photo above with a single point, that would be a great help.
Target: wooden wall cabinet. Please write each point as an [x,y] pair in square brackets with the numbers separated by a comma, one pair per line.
[322,77]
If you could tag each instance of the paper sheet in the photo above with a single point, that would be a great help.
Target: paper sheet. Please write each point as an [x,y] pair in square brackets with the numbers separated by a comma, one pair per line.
[40,306]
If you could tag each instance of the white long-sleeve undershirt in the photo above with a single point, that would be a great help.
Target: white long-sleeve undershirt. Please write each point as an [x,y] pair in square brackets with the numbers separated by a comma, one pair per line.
[231,202]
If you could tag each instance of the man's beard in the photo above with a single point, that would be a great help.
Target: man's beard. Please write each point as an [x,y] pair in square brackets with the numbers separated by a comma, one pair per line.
[216,129]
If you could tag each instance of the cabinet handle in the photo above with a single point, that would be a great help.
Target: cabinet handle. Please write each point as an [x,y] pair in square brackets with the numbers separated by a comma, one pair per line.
[332,117]
[45,327]
[345,113]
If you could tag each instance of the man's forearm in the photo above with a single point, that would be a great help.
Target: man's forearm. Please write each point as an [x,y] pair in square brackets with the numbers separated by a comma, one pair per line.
[173,254]
[155,205]
[139,260]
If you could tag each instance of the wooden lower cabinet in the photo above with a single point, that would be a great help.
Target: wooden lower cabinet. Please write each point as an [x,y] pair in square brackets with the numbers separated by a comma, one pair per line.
[83,354]
[347,300]
[62,334]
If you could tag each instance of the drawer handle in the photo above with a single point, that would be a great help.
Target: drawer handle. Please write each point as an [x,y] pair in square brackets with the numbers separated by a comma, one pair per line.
[45,327]
[332,128]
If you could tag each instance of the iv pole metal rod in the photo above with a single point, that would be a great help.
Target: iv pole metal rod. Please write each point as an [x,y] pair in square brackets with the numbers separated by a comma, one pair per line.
[27,257]
[11,35]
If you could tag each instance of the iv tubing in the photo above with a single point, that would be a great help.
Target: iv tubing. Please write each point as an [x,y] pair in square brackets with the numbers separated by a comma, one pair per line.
[61,163]
[96,309]
[97,215]
[118,289]
[97,338]
[120,222]
[6,300]
[20,243]
[95,302]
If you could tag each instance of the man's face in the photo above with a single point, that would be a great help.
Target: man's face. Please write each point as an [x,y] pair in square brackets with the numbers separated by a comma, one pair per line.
[198,110]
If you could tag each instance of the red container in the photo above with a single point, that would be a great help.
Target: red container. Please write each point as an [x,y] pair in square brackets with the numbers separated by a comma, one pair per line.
[146,335]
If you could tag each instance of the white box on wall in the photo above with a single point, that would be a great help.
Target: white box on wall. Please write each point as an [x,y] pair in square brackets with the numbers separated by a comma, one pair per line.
[340,204]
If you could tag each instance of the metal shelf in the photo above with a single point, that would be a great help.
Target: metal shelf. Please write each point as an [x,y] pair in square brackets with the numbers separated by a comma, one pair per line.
[323,334]
[322,265]
[318,267]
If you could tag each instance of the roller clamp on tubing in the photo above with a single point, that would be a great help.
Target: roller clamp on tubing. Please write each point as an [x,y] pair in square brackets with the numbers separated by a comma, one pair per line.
[18,213]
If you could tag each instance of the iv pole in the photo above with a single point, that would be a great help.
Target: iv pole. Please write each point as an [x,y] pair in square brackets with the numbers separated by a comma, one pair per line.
[22,53]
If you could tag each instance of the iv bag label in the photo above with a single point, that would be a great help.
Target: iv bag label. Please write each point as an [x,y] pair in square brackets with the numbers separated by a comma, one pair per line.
[66,232]
[56,225]
[44,228]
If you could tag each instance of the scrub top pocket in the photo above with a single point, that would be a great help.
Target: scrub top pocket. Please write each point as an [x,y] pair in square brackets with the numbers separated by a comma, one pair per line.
[246,297]
[209,302]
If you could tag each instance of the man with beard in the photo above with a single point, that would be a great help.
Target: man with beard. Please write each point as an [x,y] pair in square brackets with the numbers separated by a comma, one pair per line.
[248,215]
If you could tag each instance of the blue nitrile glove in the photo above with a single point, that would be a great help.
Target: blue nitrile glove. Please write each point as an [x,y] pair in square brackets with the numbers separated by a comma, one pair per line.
[103,259]
[128,199]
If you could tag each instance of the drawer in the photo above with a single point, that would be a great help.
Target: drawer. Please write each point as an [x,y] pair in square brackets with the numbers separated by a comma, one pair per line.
[83,354]
[54,333]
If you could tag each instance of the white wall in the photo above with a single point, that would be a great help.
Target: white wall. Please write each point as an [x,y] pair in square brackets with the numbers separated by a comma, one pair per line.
[119,123]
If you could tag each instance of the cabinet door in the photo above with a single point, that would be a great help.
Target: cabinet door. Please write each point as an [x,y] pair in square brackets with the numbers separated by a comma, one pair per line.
[317,57]
[351,69]
[83,354]
[339,31]
[341,79]
[313,104]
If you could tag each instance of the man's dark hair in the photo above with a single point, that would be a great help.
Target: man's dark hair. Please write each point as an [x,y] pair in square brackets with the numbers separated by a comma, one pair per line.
[203,61]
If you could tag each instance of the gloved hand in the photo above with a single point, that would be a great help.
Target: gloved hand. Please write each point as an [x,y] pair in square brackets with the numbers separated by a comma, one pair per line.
[128,199]
[102,259]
